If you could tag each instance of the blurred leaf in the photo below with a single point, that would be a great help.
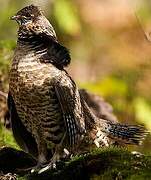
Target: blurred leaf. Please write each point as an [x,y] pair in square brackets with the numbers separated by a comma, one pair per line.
[145,10]
[6,138]
[143,111]
[114,86]
[8,44]
[108,87]
[66,16]
[6,53]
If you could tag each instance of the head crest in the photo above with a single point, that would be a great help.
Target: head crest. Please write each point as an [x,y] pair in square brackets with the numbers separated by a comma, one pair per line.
[29,10]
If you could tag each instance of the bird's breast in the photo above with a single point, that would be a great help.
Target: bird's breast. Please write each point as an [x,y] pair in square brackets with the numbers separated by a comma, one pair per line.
[32,88]
[28,72]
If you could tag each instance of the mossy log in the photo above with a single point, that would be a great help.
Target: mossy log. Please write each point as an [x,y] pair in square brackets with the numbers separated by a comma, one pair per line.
[106,163]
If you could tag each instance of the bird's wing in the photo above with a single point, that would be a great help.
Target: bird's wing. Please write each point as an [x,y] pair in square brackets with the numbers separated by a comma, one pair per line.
[69,100]
[21,135]
[57,54]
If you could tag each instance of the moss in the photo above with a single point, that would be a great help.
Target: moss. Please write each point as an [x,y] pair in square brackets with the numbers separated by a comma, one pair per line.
[6,138]
[106,163]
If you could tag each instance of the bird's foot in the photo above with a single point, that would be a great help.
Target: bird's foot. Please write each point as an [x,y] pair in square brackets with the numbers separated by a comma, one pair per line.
[37,168]
[56,162]
[52,165]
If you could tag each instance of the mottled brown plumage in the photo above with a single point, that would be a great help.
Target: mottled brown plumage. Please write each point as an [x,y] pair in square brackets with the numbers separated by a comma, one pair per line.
[45,101]
[8,176]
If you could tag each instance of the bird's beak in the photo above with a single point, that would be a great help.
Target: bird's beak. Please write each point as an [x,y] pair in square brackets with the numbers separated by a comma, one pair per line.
[16,17]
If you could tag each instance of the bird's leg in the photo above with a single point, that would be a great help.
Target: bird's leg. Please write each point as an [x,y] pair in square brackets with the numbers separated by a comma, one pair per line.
[42,154]
[60,152]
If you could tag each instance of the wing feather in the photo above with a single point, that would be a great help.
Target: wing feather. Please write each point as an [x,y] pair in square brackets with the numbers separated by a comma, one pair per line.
[69,100]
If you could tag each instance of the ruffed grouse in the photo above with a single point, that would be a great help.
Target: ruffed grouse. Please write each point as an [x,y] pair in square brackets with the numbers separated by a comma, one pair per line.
[47,110]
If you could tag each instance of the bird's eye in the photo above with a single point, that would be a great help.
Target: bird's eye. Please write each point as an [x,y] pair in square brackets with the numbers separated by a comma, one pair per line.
[25,20]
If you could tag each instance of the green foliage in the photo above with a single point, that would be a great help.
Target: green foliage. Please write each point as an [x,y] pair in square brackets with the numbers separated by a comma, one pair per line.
[107,87]
[66,16]
[6,53]
[144,11]
[6,138]
[7,44]
[143,111]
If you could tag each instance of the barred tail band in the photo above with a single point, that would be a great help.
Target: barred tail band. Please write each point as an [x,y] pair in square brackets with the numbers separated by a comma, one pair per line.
[128,134]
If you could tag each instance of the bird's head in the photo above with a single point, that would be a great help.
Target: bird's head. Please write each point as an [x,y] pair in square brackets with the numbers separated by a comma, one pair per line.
[32,21]
[34,26]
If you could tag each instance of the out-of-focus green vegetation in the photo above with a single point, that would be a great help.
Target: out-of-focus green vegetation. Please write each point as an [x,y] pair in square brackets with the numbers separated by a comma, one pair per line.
[110,55]
[6,138]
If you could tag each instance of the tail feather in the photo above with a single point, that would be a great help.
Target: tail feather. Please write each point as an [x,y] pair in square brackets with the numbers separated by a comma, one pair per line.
[128,134]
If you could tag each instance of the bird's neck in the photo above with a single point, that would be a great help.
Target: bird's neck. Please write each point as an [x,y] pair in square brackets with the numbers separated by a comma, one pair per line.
[46,50]
[33,46]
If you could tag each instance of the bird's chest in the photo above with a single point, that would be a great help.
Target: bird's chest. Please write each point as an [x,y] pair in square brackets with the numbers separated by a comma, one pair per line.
[30,81]
[32,88]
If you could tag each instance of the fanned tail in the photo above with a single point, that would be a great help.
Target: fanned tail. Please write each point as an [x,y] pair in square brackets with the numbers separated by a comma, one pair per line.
[128,134]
